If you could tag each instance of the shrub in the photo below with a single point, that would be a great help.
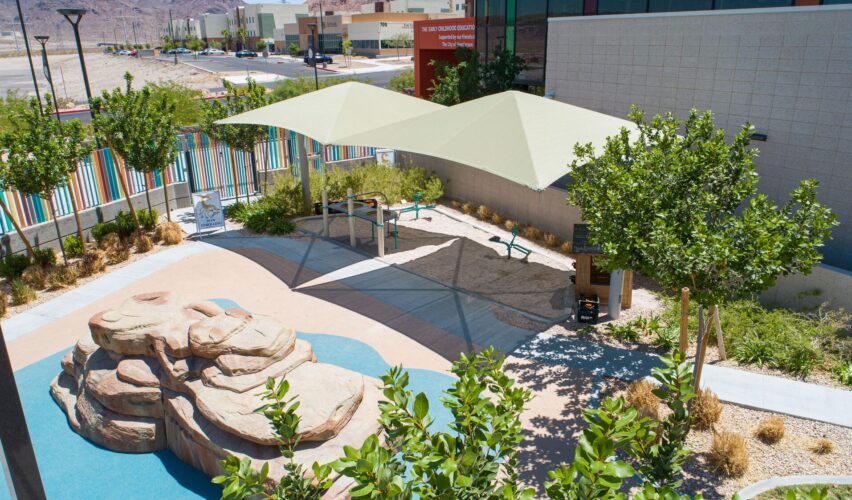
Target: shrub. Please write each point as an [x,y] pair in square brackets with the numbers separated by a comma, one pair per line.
[497,219]
[770,430]
[532,233]
[843,373]
[147,220]
[822,446]
[73,246]
[641,396]
[92,263]
[4,304]
[483,212]
[61,277]
[271,221]
[44,257]
[566,247]
[510,224]
[109,242]
[728,454]
[35,276]
[13,266]
[706,409]
[667,338]
[239,211]
[419,180]
[142,243]
[469,208]
[101,229]
[457,204]
[169,233]
[21,293]
[124,224]
[551,240]
[118,253]
[623,332]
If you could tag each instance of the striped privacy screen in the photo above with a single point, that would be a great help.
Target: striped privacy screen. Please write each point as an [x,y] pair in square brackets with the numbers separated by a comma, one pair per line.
[210,165]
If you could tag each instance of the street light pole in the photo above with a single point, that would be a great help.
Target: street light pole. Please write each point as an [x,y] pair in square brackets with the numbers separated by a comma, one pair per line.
[42,39]
[78,15]
[312,47]
[29,55]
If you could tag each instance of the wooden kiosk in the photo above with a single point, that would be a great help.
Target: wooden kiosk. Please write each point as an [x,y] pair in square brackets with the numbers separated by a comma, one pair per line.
[590,280]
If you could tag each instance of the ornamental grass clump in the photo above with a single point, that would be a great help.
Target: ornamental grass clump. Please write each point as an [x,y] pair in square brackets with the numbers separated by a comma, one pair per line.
[469,208]
[118,254]
[169,233]
[510,224]
[728,454]
[92,263]
[62,277]
[457,204]
[551,240]
[4,304]
[142,243]
[567,247]
[706,409]
[22,293]
[641,396]
[35,276]
[770,430]
[822,446]
[533,233]
[483,212]
[497,219]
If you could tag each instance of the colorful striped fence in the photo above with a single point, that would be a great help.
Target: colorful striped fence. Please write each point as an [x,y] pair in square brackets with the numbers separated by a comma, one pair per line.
[96,180]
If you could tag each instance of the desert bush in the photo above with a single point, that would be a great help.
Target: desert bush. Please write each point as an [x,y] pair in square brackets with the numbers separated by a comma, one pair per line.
[483,212]
[822,446]
[142,243]
[73,246]
[510,224]
[532,233]
[419,180]
[270,220]
[147,220]
[169,233]
[728,454]
[118,253]
[4,304]
[843,373]
[239,211]
[13,266]
[469,208]
[61,277]
[706,409]
[21,293]
[35,276]
[44,257]
[770,430]
[551,240]
[623,332]
[124,224]
[109,242]
[667,338]
[497,219]
[566,247]
[92,263]
[101,229]
[457,204]
[640,394]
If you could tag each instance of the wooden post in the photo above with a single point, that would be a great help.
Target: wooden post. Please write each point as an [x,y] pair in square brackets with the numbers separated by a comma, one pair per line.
[380,225]
[304,171]
[699,348]
[684,320]
[325,212]
[720,341]
[350,209]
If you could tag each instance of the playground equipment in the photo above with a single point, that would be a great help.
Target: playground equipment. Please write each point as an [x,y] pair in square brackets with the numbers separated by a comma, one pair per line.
[510,245]
[363,209]
[416,208]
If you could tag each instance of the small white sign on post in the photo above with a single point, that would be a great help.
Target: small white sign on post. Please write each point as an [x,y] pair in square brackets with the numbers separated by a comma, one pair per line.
[209,213]
[386,156]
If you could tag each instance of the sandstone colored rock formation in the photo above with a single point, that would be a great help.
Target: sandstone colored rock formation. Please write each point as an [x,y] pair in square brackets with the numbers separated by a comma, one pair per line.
[159,372]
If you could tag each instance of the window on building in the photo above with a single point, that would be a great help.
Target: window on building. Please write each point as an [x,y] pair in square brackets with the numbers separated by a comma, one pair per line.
[531,38]
[622,6]
[365,44]
[490,24]
[751,4]
[678,5]
[565,8]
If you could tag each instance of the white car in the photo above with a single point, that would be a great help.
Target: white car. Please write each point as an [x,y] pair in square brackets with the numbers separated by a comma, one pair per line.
[124,52]
[212,52]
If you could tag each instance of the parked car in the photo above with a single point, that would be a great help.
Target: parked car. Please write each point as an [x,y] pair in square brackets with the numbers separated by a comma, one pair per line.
[321,58]
[212,52]
[133,53]
[124,52]
[246,53]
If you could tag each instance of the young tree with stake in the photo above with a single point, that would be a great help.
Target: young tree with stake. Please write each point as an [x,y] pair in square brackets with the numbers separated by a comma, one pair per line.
[677,202]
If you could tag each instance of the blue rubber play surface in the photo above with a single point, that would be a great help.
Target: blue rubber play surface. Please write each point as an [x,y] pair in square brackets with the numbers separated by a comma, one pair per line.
[74,468]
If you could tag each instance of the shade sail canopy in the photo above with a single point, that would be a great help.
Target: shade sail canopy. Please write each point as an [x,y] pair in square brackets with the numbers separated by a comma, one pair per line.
[521,137]
[332,113]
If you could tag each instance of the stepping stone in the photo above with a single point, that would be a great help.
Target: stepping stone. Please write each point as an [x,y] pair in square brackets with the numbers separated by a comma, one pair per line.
[237,332]
[144,372]
[83,349]
[119,396]
[213,376]
[115,431]
[328,397]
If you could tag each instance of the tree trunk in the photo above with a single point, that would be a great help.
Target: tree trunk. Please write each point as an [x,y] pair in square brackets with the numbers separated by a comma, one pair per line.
[720,340]
[56,225]
[147,195]
[166,195]
[266,171]
[123,182]
[76,215]
[18,229]
[234,172]
[246,167]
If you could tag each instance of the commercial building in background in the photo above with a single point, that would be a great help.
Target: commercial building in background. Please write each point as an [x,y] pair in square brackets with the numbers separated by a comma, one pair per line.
[437,40]
[260,20]
[786,68]
[212,26]
[182,29]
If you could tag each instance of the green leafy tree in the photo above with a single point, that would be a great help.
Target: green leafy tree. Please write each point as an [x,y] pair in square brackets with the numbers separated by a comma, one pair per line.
[470,78]
[401,40]
[402,81]
[214,45]
[262,46]
[242,34]
[140,129]
[228,38]
[302,85]
[347,52]
[243,137]
[188,102]
[294,49]
[168,43]
[41,153]
[677,202]
[194,44]
[12,105]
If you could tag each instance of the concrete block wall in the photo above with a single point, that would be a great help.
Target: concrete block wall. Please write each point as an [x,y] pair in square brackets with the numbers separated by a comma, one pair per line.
[44,234]
[788,71]
[546,210]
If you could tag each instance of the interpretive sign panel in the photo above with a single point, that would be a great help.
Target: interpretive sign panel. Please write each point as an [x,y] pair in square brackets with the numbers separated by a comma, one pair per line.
[209,213]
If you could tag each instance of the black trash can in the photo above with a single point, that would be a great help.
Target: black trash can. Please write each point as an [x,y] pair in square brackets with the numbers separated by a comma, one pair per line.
[588,309]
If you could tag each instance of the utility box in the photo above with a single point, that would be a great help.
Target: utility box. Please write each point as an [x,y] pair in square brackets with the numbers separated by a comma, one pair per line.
[591,281]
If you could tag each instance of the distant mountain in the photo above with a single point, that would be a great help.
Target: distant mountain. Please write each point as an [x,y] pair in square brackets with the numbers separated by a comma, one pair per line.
[107,19]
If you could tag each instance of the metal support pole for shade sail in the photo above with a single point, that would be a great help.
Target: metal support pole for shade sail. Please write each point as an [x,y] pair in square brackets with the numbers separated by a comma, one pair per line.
[18,458]
[304,171]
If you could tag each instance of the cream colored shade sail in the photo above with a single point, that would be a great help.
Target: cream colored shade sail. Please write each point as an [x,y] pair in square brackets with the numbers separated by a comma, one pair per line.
[520,137]
[329,114]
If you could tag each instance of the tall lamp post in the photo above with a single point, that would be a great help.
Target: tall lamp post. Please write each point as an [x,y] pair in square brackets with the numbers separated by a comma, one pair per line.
[77,14]
[313,27]
[42,39]
[29,55]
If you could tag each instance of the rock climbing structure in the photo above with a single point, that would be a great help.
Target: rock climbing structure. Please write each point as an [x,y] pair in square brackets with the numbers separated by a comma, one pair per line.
[160,372]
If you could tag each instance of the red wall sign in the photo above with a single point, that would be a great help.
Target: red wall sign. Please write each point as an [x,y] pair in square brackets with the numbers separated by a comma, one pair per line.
[437,40]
